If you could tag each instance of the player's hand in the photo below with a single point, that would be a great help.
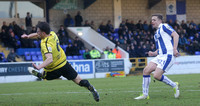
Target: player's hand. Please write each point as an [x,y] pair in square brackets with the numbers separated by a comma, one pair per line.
[150,53]
[176,53]
[24,36]
[35,66]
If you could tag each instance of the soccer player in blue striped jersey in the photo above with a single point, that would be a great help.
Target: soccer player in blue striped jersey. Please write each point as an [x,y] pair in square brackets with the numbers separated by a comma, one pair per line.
[166,40]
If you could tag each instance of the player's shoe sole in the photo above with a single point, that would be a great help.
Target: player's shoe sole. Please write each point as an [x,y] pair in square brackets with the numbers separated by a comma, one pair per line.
[32,71]
[142,96]
[176,90]
[94,93]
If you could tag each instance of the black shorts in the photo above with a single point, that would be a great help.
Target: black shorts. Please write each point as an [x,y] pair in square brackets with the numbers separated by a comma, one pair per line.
[66,71]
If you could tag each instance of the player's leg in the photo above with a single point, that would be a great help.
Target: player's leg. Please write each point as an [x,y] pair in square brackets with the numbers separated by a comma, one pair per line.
[146,80]
[35,72]
[158,74]
[69,73]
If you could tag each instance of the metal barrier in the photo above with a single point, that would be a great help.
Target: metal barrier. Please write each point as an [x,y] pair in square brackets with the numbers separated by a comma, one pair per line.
[138,63]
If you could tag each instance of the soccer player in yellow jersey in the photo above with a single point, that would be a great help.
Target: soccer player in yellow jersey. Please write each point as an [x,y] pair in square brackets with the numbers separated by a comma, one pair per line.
[54,59]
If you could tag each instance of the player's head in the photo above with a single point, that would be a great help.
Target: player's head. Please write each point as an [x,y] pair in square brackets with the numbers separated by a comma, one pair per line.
[156,20]
[43,29]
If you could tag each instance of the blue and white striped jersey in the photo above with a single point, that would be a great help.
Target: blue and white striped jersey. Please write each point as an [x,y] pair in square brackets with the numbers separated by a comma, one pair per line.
[163,39]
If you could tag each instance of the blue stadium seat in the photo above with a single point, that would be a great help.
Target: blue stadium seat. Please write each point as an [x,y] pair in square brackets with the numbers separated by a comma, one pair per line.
[32,53]
[70,41]
[40,58]
[75,57]
[38,53]
[81,57]
[116,30]
[27,53]
[34,58]
[36,43]
[197,53]
[28,57]
[69,57]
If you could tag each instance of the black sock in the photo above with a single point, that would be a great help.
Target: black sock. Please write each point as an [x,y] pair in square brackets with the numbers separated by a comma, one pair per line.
[85,83]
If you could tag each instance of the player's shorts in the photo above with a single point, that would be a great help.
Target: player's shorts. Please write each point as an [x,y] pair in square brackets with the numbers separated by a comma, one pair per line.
[164,62]
[66,71]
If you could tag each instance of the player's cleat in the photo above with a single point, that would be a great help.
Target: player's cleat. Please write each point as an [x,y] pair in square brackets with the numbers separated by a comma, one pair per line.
[33,71]
[142,96]
[94,93]
[176,90]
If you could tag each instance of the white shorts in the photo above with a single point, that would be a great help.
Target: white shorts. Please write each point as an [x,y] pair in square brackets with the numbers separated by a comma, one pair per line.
[164,62]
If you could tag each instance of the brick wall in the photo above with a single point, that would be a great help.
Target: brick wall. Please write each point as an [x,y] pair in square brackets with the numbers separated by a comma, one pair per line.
[102,10]
[193,10]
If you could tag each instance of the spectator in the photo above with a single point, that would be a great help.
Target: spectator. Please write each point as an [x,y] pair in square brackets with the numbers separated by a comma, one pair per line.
[75,49]
[11,56]
[2,59]
[79,43]
[4,26]
[182,42]
[145,26]
[69,50]
[109,27]
[4,37]
[86,23]
[86,54]
[16,28]
[92,25]
[117,52]
[62,31]
[139,25]
[132,52]
[183,24]
[111,55]
[69,22]
[78,19]
[28,22]
[95,54]
[102,27]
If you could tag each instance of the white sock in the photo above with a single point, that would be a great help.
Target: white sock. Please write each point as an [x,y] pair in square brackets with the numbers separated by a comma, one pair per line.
[145,84]
[167,81]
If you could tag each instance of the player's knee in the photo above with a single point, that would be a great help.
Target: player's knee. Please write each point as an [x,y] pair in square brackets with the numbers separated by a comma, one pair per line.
[84,83]
[146,71]
[157,77]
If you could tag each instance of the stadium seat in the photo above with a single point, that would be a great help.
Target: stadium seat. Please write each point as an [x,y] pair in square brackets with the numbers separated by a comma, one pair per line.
[27,53]
[69,57]
[28,57]
[32,53]
[197,53]
[81,57]
[34,58]
[75,57]
[116,30]
[40,58]
[70,41]
[38,53]
[36,43]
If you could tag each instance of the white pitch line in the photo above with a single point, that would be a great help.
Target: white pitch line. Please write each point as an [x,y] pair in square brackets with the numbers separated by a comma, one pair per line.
[52,93]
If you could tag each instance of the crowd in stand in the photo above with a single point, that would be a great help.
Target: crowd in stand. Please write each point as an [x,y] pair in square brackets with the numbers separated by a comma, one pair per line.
[135,38]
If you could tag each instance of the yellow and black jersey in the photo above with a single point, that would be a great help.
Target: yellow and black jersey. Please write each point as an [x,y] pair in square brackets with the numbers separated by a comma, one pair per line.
[51,45]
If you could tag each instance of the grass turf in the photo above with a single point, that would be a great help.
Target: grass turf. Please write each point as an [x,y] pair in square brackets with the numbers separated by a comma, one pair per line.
[113,91]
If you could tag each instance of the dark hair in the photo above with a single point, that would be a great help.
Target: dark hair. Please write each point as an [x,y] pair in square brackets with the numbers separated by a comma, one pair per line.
[159,16]
[44,27]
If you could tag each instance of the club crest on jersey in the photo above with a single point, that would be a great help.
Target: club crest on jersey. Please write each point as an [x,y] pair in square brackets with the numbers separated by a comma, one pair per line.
[169,28]
[49,49]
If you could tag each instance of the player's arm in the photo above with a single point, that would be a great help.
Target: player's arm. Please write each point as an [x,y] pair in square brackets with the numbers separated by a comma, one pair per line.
[175,38]
[155,53]
[30,36]
[49,60]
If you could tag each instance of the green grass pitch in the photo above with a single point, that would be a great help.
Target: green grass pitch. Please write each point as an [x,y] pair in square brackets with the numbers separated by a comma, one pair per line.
[113,92]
